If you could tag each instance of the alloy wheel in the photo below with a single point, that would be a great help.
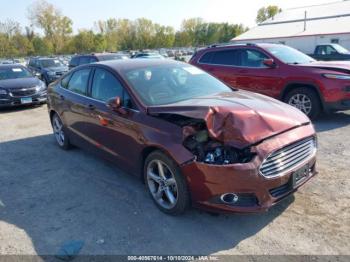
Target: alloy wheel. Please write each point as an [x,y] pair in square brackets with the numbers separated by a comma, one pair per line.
[162,184]
[302,102]
[58,130]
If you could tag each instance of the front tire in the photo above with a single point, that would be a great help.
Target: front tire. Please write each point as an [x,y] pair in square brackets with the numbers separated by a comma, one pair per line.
[306,100]
[166,184]
[60,132]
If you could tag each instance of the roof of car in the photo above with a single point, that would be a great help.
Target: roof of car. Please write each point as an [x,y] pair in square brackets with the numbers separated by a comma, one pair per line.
[232,45]
[121,65]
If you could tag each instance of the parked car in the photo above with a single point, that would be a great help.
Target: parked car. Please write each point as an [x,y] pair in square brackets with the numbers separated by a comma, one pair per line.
[331,52]
[188,135]
[148,55]
[19,87]
[93,58]
[281,72]
[47,69]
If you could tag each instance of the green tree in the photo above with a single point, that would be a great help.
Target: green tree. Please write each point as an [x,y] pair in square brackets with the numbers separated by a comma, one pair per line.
[56,26]
[265,13]
[42,46]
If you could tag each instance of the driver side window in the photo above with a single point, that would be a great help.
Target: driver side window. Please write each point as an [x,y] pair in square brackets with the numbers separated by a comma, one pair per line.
[105,86]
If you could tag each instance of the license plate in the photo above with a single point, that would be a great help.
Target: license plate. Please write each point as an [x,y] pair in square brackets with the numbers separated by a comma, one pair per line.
[300,175]
[26,100]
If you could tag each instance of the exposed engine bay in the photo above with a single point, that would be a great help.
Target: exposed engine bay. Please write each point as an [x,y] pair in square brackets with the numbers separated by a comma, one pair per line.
[208,150]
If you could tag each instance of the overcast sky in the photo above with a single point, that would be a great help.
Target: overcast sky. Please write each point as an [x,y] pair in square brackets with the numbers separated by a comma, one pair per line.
[167,12]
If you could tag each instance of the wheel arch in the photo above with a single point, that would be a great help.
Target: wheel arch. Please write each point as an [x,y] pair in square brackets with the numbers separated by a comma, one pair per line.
[290,86]
[150,149]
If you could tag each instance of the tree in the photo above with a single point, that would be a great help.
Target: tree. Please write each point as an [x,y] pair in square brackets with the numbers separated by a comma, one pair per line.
[9,28]
[265,13]
[56,26]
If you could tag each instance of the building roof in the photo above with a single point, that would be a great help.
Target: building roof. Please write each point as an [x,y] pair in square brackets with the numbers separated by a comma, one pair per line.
[332,18]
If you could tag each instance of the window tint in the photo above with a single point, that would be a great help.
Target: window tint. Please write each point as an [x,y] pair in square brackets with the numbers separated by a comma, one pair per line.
[74,61]
[206,58]
[79,81]
[251,58]
[65,80]
[105,86]
[225,57]
[86,60]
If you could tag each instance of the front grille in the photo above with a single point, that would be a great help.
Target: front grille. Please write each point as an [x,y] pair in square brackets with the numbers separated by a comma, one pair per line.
[287,158]
[23,92]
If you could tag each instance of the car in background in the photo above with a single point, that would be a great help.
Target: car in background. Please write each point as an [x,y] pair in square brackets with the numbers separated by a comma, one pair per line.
[93,58]
[281,72]
[19,87]
[47,69]
[331,52]
[6,62]
[148,55]
[190,137]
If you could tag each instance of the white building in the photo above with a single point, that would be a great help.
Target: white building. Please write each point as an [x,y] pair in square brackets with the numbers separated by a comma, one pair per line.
[305,27]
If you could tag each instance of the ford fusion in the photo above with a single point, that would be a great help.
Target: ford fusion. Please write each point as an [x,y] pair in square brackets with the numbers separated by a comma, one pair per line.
[18,86]
[193,140]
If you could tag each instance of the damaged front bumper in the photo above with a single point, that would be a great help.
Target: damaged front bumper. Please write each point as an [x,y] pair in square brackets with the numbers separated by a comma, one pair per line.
[241,187]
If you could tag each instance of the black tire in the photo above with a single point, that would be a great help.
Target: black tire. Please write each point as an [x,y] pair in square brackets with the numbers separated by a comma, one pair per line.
[183,196]
[64,144]
[311,95]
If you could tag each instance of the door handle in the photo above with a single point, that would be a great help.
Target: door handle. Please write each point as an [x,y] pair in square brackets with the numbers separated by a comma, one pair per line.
[91,107]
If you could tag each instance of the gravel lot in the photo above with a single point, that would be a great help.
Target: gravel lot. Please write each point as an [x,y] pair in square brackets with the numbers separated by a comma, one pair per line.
[49,197]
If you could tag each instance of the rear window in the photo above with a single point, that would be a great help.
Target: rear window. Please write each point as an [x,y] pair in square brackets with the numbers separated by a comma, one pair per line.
[74,61]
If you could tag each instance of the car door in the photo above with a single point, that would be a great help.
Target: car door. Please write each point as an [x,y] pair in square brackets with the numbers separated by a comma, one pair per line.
[115,134]
[253,75]
[75,105]
[221,64]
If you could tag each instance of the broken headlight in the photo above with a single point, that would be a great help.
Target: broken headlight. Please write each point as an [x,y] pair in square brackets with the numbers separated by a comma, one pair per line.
[215,153]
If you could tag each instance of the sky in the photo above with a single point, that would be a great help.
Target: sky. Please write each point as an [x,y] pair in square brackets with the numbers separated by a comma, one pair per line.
[166,12]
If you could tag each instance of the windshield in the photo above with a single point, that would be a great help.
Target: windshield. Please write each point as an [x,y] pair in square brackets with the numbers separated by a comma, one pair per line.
[289,55]
[340,49]
[14,73]
[169,84]
[47,63]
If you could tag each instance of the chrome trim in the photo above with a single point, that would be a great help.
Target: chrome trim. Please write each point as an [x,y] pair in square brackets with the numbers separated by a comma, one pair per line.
[284,160]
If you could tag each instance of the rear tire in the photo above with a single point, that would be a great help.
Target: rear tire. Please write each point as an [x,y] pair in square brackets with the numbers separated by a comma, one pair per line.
[306,100]
[60,133]
[168,187]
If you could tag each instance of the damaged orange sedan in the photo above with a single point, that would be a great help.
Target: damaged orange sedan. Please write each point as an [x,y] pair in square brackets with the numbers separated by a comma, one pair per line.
[190,137]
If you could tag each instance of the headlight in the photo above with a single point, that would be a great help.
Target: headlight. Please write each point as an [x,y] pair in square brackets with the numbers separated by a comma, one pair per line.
[40,87]
[3,92]
[336,76]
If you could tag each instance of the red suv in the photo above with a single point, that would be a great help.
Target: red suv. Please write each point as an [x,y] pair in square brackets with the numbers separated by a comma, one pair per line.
[281,72]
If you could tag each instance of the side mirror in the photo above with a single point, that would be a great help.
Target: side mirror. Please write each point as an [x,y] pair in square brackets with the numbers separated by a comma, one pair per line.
[269,63]
[115,104]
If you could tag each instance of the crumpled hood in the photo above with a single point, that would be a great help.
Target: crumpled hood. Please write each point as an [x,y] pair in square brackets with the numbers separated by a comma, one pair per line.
[238,118]
[339,66]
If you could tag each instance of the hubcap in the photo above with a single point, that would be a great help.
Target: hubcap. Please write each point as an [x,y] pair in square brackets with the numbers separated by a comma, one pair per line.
[302,102]
[58,130]
[162,184]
